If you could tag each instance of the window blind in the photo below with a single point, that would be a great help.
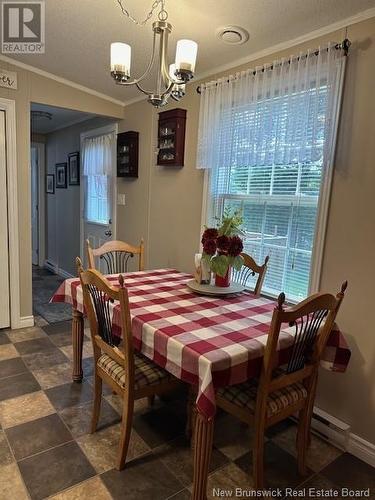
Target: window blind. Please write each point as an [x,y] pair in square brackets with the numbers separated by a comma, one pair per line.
[97,199]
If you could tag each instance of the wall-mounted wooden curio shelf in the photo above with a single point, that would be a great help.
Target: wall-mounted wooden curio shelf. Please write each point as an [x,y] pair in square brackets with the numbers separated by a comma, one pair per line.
[127,154]
[171,137]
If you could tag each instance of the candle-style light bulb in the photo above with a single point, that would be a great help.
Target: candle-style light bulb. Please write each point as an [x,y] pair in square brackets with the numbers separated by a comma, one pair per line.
[120,61]
[186,55]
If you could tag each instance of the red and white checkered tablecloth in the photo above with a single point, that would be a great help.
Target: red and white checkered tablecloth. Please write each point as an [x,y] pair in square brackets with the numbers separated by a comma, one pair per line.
[206,341]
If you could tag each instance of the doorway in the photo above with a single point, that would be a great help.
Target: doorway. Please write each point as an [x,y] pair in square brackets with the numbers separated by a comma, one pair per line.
[37,167]
[4,239]
[10,314]
[56,188]
[34,206]
[99,187]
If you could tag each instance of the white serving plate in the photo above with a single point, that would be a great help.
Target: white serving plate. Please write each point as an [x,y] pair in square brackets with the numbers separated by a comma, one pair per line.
[213,290]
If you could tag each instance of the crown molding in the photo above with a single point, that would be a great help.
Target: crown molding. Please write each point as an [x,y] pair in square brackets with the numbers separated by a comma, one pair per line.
[60,79]
[325,30]
[330,28]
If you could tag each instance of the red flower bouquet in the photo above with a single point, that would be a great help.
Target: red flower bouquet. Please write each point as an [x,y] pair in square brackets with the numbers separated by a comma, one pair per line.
[222,247]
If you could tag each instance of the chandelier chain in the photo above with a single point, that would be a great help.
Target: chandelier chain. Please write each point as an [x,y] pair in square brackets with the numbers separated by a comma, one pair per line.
[163,14]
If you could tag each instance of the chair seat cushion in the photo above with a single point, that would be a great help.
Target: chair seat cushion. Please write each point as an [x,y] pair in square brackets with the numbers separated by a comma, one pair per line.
[145,371]
[245,395]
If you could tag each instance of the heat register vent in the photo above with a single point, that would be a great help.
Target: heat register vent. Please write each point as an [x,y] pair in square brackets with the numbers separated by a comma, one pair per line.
[330,428]
[51,266]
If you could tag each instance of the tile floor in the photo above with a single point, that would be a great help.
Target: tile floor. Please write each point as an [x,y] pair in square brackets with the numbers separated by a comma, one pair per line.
[46,450]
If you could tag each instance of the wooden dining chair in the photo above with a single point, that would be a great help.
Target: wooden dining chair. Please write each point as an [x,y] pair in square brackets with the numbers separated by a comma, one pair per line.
[130,374]
[282,392]
[251,268]
[116,255]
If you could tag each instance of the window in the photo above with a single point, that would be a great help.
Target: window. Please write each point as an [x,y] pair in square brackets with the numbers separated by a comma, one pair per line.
[97,158]
[268,146]
[279,219]
[97,199]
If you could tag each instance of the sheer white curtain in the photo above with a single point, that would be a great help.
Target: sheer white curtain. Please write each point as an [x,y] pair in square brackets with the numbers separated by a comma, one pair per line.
[266,136]
[97,155]
[97,169]
[289,107]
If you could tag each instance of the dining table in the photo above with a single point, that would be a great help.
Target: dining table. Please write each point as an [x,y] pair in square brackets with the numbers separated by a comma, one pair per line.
[206,341]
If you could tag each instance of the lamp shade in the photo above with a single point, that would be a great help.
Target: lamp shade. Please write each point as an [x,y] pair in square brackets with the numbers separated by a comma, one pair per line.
[186,55]
[120,58]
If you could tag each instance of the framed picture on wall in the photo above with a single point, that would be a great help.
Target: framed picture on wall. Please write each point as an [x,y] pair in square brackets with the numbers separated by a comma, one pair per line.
[61,174]
[50,184]
[73,164]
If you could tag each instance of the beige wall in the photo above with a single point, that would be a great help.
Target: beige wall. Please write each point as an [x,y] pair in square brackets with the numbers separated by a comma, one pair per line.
[36,88]
[164,205]
[133,218]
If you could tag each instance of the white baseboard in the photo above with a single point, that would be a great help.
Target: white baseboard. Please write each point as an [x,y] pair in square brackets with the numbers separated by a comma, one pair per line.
[51,266]
[338,433]
[23,322]
[48,264]
[362,449]
[64,274]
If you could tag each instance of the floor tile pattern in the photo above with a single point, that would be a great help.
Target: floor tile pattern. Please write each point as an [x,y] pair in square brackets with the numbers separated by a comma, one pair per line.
[46,450]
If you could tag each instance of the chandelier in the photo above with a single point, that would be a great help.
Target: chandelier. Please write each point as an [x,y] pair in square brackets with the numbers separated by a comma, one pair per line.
[170,80]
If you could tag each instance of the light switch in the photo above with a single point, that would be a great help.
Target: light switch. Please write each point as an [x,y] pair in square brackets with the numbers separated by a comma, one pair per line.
[120,199]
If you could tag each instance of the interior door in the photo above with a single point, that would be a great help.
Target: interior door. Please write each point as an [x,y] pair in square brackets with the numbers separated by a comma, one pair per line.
[4,255]
[99,206]
[35,205]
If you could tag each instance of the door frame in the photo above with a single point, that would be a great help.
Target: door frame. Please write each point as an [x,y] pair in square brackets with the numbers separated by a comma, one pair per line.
[40,146]
[107,129]
[9,106]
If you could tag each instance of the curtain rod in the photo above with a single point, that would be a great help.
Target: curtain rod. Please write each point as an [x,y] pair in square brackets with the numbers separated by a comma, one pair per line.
[344,45]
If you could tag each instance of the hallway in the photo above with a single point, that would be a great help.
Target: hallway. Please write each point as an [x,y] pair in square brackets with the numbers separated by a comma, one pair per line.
[45,283]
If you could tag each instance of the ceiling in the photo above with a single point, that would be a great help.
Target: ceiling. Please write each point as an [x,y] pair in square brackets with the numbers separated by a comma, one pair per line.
[78,34]
[60,118]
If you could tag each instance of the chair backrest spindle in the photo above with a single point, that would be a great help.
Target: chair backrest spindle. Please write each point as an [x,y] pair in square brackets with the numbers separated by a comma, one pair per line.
[101,303]
[306,330]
